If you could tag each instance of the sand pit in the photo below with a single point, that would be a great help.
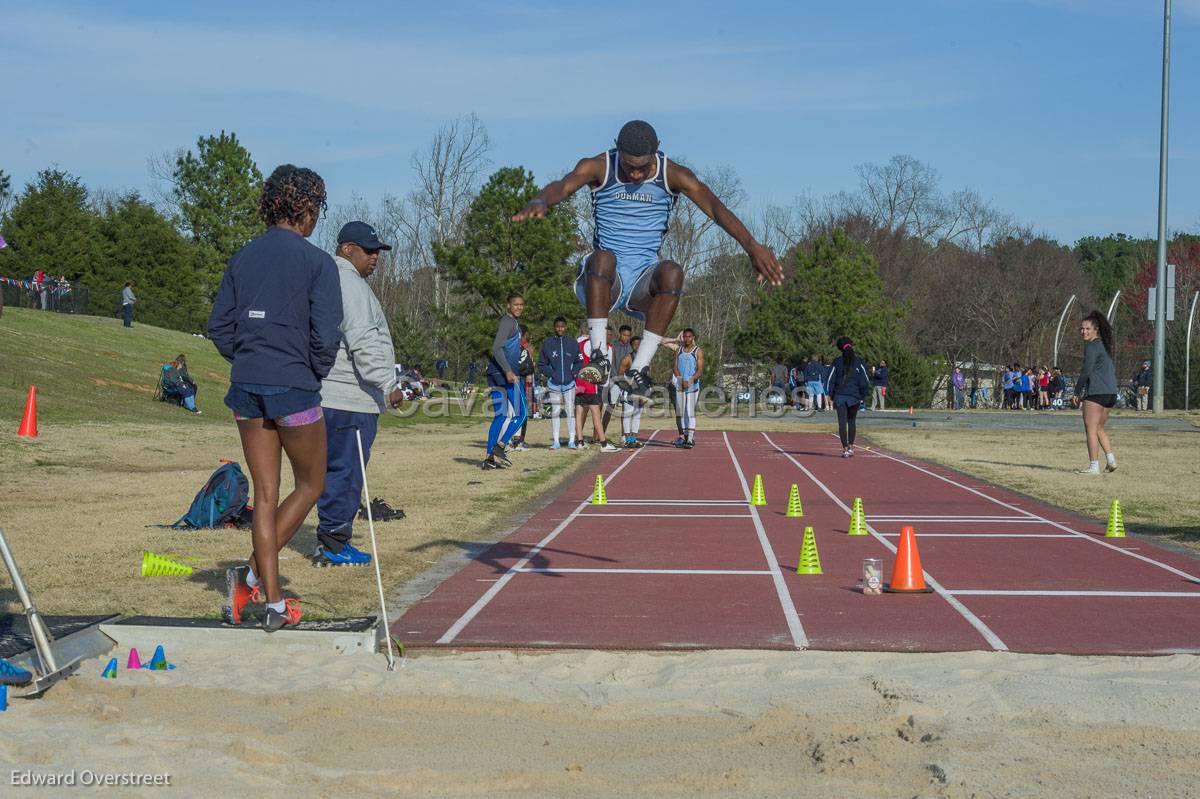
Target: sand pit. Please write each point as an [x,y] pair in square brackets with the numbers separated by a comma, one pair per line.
[733,723]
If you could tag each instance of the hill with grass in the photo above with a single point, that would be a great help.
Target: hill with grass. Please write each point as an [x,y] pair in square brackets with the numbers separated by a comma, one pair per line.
[90,368]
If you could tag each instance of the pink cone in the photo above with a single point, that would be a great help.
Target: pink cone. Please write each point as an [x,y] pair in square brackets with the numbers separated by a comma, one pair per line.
[134,661]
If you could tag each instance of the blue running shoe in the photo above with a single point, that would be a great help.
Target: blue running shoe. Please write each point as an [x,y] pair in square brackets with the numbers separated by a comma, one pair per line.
[349,556]
[13,675]
[556,445]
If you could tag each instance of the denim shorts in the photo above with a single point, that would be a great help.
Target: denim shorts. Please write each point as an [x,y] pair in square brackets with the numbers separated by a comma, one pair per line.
[288,407]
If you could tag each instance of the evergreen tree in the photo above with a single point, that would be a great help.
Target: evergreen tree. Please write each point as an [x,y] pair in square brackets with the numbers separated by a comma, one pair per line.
[499,256]
[217,190]
[143,247]
[835,290]
[52,227]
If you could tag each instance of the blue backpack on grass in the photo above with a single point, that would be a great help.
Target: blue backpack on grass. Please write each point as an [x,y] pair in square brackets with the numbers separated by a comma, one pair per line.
[222,502]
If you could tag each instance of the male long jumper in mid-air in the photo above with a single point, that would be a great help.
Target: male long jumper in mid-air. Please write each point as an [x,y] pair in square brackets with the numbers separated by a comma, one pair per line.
[634,186]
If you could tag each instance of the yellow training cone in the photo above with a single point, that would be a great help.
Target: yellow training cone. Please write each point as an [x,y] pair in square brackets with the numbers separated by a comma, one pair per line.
[757,497]
[794,509]
[598,495]
[1116,521]
[858,519]
[162,566]
[809,563]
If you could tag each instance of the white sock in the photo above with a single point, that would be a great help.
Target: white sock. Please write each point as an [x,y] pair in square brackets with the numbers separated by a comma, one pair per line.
[278,607]
[1094,466]
[597,332]
[645,353]
[251,579]
[1110,457]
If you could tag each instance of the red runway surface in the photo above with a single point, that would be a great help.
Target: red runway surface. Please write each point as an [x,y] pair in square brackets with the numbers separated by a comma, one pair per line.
[679,558]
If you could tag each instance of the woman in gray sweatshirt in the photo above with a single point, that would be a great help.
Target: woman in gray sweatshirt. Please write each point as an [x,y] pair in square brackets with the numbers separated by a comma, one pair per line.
[1096,390]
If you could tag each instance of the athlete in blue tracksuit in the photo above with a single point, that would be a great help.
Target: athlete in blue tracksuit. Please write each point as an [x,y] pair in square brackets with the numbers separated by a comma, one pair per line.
[507,388]
[634,187]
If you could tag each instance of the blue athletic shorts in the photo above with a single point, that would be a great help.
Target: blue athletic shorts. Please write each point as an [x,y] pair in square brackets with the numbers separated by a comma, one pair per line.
[252,401]
[633,280]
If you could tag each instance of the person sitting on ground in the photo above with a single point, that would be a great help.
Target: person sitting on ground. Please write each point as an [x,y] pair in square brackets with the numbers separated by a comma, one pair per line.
[177,381]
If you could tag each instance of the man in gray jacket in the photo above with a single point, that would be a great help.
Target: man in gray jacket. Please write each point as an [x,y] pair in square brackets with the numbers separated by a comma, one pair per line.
[359,387]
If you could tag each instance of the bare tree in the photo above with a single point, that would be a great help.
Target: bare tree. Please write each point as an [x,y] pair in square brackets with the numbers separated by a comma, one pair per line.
[692,239]
[447,174]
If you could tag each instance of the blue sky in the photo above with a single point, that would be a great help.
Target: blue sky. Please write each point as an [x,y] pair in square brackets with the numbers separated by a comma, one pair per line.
[1048,108]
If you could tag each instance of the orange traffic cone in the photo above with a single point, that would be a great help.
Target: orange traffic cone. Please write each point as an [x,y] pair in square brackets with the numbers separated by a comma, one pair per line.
[907,576]
[28,428]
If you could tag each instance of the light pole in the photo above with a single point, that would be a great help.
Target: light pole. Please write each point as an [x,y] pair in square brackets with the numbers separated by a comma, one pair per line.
[1160,299]
[1058,330]
[1112,306]
[1187,354]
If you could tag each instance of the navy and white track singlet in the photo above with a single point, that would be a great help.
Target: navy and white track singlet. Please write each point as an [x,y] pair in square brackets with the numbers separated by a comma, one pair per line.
[631,218]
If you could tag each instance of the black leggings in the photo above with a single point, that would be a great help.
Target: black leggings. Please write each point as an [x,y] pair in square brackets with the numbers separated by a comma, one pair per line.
[846,416]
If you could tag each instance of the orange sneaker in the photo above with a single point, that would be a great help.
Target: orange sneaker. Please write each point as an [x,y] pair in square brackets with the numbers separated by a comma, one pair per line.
[238,594]
[274,620]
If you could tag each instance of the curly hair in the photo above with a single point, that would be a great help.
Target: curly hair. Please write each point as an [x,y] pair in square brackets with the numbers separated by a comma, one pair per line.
[1100,322]
[290,194]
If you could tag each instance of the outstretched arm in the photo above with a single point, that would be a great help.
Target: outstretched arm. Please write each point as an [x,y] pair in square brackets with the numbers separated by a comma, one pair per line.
[762,259]
[588,172]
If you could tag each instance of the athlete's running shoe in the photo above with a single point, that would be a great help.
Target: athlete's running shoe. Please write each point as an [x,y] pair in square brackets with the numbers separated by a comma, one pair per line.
[689,444]
[490,463]
[572,445]
[348,556]
[636,384]
[274,620]
[11,674]
[597,370]
[519,447]
[238,594]
[608,446]
[1111,467]
[583,445]
[1088,471]
[845,453]
[679,442]
[499,455]
[556,445]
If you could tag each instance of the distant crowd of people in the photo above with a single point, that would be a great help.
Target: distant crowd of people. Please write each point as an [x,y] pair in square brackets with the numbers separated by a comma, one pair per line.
[808,383]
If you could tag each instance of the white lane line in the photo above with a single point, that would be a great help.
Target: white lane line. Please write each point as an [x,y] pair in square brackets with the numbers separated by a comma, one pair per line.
[671,515]
[642,571]
[914,518]
[981,592]
[799,638]
[1085,536]
[985,535]
[502,581]
[989,636]
[677,502]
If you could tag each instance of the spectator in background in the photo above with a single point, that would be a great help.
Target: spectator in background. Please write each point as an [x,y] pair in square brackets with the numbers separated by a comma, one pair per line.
[1143,380]
[957,383]
[813,375]
[559,362]
[127,301]
[1007,381]
[1043,383]
[587,402]
[879,385]
[1058,384]
[779,376]
[440,366]
[177,381]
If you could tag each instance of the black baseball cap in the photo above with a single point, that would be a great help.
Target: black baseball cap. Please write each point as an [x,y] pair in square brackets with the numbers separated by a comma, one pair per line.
[362,234]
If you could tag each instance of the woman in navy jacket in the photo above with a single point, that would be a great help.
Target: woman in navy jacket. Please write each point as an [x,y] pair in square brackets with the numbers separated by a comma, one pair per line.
[847,387]
[276,318]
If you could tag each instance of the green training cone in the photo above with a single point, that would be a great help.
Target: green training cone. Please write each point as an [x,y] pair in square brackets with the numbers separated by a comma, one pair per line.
[598,495]
[1116,521]
[794,509]
[810,562]
[858,519]
[757,497]
[162,566]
